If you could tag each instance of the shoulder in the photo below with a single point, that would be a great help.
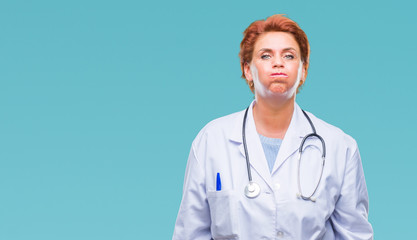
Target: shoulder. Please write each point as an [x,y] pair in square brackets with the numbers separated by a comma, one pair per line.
[220,128]
[332,133]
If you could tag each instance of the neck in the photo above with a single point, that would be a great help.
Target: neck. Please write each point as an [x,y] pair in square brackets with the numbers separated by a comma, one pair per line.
[272,119]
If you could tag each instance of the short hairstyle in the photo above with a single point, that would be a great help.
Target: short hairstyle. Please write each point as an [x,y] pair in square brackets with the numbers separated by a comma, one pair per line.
[274,23]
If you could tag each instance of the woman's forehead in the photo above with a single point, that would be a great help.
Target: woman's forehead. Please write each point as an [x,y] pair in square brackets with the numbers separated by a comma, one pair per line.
[276,41]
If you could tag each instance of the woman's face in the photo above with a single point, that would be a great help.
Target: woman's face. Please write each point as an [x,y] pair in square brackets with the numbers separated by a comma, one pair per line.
[276,68]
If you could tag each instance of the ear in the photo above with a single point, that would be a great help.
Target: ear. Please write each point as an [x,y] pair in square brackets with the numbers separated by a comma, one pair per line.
[248,73]
[303,76]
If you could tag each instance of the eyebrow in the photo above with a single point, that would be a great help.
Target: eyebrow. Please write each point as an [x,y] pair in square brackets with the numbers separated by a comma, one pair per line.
[270,50]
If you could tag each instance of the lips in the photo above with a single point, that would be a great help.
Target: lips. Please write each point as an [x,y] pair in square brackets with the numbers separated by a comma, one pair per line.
[279,75]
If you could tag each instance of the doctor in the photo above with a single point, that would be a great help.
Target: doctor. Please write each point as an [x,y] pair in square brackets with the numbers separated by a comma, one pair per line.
[321,195]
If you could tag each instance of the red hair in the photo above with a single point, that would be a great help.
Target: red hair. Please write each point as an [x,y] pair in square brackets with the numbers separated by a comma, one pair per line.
[274,23]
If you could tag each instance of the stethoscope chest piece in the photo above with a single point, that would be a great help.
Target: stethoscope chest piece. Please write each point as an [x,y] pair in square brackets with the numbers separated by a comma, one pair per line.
[252,190]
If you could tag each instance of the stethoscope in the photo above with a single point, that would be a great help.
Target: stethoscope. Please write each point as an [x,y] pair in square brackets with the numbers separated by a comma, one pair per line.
[252,190]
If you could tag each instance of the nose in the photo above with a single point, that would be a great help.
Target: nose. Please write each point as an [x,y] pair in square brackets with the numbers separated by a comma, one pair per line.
[278,62]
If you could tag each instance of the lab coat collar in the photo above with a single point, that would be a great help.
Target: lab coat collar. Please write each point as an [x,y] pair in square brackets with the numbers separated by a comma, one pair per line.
[297,129]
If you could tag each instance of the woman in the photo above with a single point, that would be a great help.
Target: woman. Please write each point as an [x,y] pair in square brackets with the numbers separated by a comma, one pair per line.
[244,178]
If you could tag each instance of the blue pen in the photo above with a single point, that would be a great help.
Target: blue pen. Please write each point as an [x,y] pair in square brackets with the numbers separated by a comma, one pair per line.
[218,183]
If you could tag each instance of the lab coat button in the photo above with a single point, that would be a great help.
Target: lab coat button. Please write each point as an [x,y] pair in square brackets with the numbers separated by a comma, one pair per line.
[280,234]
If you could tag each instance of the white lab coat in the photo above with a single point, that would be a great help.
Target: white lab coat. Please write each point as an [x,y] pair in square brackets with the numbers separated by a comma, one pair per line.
[341,208]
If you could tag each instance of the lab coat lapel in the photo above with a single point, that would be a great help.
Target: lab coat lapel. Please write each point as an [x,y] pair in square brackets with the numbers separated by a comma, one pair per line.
[236,134]
[255,151]
[297,129]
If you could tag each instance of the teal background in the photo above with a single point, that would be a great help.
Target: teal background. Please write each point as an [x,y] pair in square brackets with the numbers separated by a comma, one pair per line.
[100,101]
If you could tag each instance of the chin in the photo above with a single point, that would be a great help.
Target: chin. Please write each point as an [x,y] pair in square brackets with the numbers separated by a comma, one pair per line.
[278,90]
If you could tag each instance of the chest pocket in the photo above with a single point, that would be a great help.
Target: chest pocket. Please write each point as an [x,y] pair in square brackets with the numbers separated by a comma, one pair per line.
[223,213]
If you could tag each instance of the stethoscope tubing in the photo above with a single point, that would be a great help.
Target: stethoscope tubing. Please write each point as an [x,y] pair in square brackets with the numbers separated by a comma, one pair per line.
[245,145]
[300,150]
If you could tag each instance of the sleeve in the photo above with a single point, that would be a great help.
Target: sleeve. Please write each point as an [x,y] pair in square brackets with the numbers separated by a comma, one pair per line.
[193,220]
[350,217]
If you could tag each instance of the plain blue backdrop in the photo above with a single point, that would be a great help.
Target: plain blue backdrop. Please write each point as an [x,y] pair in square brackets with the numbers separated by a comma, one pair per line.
[100,101]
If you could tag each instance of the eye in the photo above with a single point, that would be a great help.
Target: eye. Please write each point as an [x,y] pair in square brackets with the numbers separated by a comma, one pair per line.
[265,56]
[289,56]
